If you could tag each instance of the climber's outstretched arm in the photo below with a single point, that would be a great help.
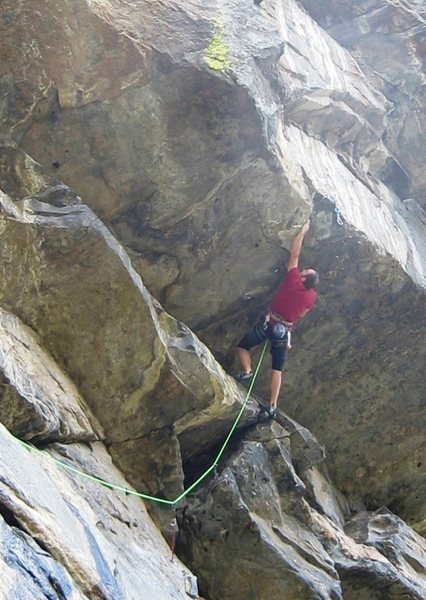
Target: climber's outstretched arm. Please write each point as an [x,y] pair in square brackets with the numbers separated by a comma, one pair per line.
[297,247]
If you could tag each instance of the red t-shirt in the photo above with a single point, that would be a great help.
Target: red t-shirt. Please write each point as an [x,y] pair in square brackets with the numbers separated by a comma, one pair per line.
[292,298]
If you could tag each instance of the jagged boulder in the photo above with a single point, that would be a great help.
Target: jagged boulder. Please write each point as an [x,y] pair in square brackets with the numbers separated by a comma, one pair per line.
[277,540]
[404,548]
[242,518]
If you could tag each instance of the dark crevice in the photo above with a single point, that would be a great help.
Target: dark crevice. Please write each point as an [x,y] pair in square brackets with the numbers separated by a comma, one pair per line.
[167,427]
[49,580]
[194,467]
[42,545]
[10,518]
[394,176]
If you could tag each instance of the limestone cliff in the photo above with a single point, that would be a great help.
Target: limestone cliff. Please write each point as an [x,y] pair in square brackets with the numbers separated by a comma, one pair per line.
[156,160]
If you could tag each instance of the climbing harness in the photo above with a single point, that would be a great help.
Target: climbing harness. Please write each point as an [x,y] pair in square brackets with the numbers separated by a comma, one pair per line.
[279,319]
[339,219]
[280,330]
[125,490]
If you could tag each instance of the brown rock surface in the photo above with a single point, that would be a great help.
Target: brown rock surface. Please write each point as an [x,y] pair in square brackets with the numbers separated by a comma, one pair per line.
[73,283]
[37,401]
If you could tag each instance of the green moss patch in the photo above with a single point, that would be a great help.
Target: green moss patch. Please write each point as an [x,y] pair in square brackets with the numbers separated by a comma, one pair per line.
[217,53]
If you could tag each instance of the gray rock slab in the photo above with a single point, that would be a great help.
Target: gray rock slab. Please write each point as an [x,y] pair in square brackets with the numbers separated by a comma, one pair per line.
[104,540]
[29,572]
[394,539]
[387,39]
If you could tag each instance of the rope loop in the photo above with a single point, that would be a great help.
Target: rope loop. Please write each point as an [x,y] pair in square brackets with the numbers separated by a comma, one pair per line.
[129,491]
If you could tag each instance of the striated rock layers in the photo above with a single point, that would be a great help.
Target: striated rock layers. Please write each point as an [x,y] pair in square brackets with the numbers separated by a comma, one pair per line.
[156,160]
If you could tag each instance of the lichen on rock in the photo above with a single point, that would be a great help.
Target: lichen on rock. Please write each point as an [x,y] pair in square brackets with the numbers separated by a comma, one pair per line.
[217,53]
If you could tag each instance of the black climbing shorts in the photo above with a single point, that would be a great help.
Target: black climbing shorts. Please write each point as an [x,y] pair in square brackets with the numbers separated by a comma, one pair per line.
[261,332]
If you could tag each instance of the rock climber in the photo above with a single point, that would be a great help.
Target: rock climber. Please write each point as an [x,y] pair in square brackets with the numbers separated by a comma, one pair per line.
[293,299]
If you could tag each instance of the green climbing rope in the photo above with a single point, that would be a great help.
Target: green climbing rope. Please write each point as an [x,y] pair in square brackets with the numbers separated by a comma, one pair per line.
[120,488]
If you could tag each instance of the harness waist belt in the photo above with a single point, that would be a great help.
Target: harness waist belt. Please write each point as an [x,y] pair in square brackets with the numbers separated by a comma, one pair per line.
[280,319]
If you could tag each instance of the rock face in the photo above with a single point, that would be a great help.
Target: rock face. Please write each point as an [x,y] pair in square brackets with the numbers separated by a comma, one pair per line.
[156,161]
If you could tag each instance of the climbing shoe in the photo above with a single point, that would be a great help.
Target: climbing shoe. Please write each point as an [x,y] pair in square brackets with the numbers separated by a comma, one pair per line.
[263,414]
[267,413]
[245,376]
[272,412]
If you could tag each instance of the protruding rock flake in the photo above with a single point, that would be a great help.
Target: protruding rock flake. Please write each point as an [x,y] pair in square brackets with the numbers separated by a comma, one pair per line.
[157,159]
